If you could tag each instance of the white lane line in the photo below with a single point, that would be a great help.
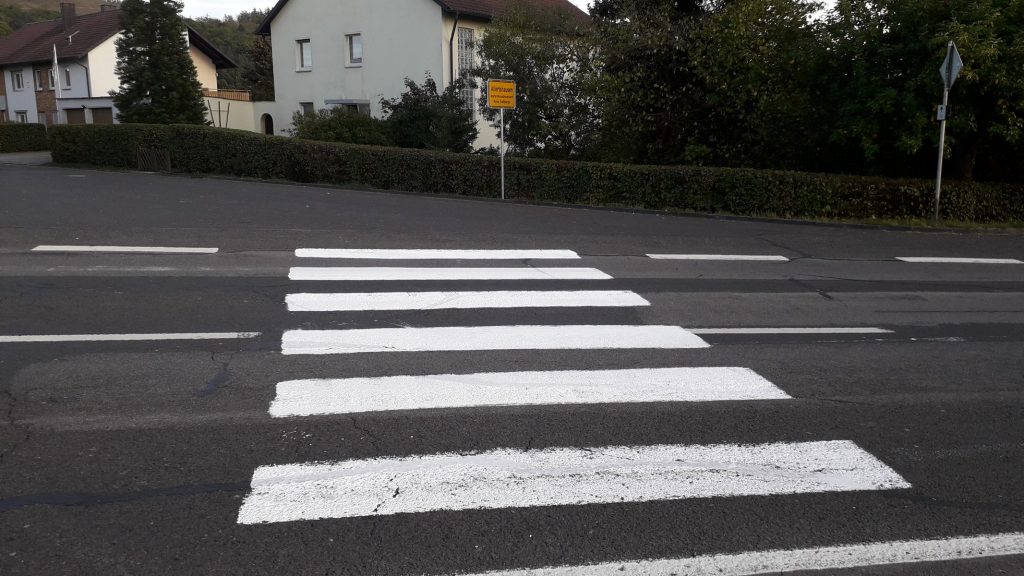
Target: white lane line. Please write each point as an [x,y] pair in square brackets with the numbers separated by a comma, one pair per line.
[123,249]
[487,338]
[375,274]
[450,300]
[805,559]
[866,330]
[437,254]
[128,337]
[350,395]
[929,260]
[724,257]
[510,478]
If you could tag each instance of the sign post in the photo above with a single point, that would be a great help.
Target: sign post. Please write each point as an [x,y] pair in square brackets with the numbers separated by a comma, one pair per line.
[949,71]
[501,95]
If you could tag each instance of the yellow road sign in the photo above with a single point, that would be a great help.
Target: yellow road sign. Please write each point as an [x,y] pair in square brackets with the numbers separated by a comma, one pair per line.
[501,94]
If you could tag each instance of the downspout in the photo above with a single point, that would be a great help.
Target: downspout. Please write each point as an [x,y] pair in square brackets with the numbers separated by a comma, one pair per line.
[451,51]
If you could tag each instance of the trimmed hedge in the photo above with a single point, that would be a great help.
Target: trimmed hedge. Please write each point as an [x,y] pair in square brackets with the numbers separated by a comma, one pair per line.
[22,137]
[205,150]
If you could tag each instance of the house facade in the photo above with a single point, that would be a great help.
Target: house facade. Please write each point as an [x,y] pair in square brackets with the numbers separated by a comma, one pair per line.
[353,53]
[78,90]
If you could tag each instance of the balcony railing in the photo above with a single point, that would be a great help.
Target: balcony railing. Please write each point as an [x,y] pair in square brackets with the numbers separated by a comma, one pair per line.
[237,95]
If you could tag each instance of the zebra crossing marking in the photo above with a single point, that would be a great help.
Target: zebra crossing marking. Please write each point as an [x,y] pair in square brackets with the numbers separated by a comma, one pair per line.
[349,301]
[799,560]
[352,395]
[454,338]
[429,254]
[365,274]
[510,478]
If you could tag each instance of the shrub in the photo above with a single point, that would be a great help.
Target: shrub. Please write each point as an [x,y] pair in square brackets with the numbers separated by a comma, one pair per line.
[22,137]
[205,150]
[424,118]
[340,125]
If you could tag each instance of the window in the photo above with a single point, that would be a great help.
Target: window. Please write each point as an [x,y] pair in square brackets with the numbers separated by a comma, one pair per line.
[304,52]
[42,80]
[67,78]
[466,64]
[53,78]
[18,80]
[307,108]
[355,49]
[43,116]
[21,116]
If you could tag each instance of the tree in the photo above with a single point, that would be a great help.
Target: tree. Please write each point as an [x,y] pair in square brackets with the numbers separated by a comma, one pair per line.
[423,118]
[159,83]
[760,61]
[258,73]
[653,97]
[551,58]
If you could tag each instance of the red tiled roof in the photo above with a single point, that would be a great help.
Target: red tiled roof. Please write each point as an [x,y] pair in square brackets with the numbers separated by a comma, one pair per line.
[34,42]
[483,9]
[493,8]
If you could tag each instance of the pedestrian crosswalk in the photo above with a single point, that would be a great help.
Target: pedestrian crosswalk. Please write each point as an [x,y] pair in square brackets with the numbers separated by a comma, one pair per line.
[512,477]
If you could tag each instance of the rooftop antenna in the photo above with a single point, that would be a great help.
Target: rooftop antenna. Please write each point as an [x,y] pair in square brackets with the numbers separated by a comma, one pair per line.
[70,36]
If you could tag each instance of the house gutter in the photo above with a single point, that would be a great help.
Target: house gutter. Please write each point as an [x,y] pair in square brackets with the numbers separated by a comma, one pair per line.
[451,51]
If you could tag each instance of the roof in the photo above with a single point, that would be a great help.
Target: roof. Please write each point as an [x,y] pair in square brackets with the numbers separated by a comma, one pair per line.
[482,9]
[33,43]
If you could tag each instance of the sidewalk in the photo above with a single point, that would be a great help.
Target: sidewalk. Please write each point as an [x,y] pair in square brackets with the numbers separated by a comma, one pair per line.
[26,158]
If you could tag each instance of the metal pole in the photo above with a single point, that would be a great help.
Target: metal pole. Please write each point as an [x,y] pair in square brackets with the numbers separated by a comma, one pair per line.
[502,153]
[942,132]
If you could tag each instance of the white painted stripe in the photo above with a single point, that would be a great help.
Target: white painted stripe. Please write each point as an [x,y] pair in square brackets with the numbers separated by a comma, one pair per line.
[805,559]
[449,300]
[556,477]
[144,249]
[350,395]
[437,254]
[375,274]
[928,260]
[866,330]
[128,337]
[728,257]
[486,338]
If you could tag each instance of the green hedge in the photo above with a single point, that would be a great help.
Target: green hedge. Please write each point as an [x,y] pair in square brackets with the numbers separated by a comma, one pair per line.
[203,150]
[22,137]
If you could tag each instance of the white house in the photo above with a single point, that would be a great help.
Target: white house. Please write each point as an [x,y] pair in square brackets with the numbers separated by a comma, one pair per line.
[77,92]
[354,52]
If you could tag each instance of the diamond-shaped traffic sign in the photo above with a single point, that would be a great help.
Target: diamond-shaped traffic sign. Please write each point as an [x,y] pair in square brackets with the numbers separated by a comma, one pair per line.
[951,66]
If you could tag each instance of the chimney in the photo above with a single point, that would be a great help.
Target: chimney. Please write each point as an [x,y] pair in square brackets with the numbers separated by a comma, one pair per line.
[67,14]
[107,7]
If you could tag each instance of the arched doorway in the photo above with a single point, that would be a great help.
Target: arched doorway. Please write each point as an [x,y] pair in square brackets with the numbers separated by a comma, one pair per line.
[267,123]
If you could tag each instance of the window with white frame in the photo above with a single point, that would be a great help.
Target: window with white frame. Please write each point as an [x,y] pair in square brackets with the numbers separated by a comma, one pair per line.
[21,116]
[354,55]
[307,108]
[18,80]
[304,54]
[466,64]
[42,80]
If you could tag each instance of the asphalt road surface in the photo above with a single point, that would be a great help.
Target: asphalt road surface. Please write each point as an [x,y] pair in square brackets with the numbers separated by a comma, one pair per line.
[202,376]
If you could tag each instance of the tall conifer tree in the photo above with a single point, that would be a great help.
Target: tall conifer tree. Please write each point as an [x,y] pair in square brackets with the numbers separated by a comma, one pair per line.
[159,82]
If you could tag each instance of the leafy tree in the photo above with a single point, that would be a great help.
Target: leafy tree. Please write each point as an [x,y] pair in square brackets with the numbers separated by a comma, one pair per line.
[552,59]
[258,72]
[760,62]
[159,83]
[340,125]
[13,17]
[885,85]
[424,118]
[653,97]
